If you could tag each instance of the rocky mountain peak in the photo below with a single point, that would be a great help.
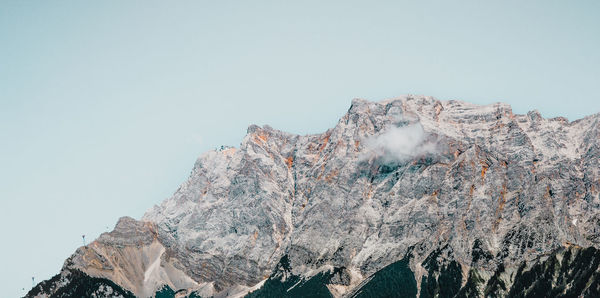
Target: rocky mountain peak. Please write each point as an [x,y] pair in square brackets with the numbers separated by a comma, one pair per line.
[451,196]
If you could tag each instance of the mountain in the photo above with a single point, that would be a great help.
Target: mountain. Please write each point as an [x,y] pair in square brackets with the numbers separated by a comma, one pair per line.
[404,197]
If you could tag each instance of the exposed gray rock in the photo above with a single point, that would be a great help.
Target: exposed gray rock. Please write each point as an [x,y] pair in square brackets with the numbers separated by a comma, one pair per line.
[478,185]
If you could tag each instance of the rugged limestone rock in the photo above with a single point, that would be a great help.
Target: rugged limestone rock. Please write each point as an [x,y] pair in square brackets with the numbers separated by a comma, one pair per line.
[431,198]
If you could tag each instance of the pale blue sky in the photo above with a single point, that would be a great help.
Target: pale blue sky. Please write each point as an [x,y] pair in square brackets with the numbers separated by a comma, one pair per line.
[105,105]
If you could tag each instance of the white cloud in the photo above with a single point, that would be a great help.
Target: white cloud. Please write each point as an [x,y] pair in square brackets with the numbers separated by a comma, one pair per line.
[400,143]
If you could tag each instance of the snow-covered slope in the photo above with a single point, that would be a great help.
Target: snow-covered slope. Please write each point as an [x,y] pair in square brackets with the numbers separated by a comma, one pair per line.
[440,184]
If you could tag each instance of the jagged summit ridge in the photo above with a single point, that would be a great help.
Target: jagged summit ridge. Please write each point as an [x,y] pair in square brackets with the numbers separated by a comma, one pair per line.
[400,179]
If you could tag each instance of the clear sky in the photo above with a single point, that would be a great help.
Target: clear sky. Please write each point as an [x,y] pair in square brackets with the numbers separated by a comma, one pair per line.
[105,105]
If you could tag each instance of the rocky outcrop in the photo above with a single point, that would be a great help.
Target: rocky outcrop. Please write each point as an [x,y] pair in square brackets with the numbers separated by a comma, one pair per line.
[455,197]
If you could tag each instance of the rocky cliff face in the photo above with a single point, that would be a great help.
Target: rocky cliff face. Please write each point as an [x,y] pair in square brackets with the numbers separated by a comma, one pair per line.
[410,196]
